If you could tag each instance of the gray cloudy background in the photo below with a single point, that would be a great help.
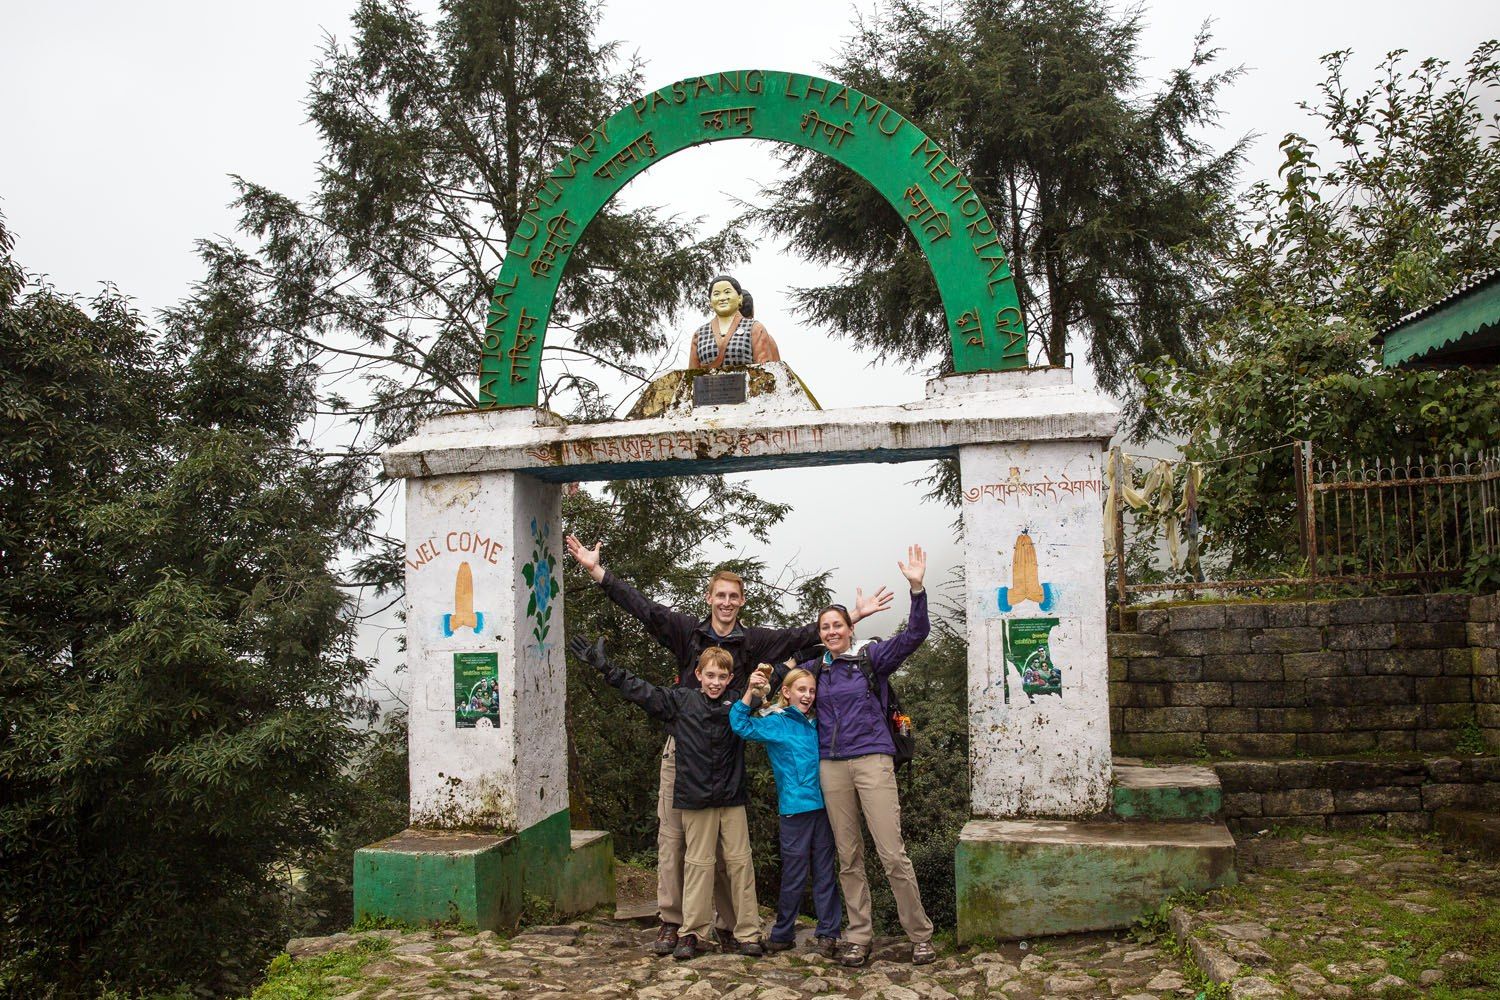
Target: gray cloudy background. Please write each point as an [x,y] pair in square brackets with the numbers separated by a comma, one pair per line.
[124,120]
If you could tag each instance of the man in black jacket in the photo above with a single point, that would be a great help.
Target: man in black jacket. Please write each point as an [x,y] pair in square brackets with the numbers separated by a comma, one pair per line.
[708,790]
[686,639]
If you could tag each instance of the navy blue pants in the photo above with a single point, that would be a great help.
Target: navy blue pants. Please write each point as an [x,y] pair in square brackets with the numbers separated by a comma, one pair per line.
[807,844]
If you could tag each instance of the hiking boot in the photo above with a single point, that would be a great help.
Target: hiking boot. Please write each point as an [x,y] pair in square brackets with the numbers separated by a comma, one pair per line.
[774,945]
[728,943]
[828,947]
[666,939]
[751,948]
[688,947]
[923,953]
[854,955]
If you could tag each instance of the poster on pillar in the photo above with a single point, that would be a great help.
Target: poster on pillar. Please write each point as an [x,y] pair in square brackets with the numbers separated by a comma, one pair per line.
[1038,666]
[476,690]
[1028,651]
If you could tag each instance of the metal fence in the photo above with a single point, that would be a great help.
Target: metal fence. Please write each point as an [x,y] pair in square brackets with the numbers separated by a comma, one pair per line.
[1357,522]
[1407,519]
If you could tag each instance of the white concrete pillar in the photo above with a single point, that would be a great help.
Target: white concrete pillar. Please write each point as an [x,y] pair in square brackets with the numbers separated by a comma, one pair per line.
[1039,741]
[484,648]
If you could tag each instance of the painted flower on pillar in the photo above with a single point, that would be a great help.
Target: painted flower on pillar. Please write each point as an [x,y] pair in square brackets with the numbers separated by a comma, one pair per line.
[541,580]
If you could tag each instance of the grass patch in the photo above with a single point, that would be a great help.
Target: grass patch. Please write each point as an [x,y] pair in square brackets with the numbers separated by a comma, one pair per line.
[537,911]
[318,977]
[1203,987]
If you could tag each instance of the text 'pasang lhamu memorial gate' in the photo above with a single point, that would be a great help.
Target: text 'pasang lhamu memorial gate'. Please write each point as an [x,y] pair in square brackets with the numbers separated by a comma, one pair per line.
[489,781]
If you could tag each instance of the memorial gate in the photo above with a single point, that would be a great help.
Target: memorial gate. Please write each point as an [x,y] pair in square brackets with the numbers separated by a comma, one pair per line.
[485,606]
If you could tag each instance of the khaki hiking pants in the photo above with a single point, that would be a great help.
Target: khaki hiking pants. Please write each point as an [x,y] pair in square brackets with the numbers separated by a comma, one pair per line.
[712,834]
[670,843]
[867,786]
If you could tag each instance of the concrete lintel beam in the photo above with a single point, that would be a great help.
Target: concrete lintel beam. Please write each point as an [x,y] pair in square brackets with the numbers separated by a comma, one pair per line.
[534,442]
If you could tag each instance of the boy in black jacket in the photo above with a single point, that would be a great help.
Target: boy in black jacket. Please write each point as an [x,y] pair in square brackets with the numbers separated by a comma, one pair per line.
[709,789]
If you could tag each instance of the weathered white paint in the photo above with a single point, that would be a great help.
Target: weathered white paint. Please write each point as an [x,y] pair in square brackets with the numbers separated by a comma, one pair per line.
[1045,755]
[515,774]
[1029,445]
[959,410]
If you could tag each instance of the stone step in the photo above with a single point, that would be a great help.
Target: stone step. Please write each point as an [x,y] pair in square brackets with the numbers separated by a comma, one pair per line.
[1024,878]
[636,912]
[1479,831]
[1164,794]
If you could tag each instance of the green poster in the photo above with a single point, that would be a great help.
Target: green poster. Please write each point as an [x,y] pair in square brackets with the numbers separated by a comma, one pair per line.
[1028,649]
[476,690]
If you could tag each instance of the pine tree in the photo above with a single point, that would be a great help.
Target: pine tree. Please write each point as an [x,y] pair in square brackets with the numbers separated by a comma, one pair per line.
[1106,201]
[175,656]
[436,134]
[437,131]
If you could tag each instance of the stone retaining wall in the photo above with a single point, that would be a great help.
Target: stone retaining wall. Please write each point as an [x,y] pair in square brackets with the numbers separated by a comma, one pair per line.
[1321,678]
[1484,640]
[1344,794]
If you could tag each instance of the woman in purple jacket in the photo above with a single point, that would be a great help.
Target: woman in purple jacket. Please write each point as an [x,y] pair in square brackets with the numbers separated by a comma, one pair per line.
[857,771]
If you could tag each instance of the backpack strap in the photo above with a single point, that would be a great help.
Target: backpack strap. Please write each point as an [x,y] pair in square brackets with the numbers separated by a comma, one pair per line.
[867,668]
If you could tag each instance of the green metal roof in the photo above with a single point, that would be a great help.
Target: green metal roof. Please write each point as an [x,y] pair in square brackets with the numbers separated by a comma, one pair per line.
[1460,330]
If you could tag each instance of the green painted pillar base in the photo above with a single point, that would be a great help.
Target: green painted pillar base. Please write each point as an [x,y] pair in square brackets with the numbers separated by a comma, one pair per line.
[1162,794]
[484,880]
[591,873]
[440,876]
[1024,878]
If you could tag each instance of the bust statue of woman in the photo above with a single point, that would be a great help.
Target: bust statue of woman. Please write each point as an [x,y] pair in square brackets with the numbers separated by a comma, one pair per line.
[733,336]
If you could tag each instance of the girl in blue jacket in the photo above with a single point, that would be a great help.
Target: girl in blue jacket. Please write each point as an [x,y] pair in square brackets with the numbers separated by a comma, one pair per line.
[791,737]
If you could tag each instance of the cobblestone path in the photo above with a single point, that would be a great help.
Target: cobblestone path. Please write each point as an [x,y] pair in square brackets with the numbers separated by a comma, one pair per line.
[609,960]
[1347,915]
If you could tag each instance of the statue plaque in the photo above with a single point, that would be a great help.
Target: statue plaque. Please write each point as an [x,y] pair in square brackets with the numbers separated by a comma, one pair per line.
[714,390]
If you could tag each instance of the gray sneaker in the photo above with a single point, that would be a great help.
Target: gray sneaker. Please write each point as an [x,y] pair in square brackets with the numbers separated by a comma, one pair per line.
[854,955]
[923,953]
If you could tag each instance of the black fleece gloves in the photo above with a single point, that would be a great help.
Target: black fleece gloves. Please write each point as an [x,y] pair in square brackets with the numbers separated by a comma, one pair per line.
[593,654]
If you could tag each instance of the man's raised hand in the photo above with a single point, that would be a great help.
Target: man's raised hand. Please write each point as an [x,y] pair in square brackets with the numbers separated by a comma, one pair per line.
[915,567]
[866,606]
[592,560]
[593,654]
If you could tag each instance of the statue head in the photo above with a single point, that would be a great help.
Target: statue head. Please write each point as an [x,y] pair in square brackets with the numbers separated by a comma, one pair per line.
[725,297]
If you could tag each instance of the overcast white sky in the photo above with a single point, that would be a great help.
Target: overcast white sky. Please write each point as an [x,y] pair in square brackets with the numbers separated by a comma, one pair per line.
[123,121]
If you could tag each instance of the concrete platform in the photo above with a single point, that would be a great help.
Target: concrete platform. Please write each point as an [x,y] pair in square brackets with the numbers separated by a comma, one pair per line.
[1022,878]
[440,876]
[1164,794]
[423,876]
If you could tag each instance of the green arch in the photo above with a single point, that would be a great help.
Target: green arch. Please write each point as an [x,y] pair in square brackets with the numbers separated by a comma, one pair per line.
[910,170]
